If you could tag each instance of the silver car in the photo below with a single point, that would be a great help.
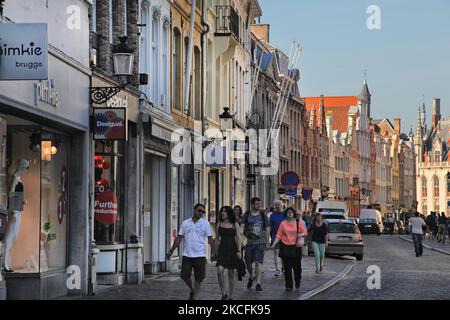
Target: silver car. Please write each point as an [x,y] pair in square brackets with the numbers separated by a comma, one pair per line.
[344,239]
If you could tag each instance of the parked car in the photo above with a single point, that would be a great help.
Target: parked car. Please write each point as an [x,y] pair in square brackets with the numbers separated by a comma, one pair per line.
[370,221]
[344,239]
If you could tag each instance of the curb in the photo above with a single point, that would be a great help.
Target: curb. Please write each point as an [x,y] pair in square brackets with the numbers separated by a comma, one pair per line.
[344,273]
[427,246]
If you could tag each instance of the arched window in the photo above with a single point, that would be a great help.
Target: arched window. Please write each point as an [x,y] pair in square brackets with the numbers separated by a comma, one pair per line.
[436,186]
[177,69]
[424,187]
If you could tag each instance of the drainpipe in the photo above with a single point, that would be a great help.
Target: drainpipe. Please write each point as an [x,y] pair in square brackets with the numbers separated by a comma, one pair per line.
[205,32]
[187,83]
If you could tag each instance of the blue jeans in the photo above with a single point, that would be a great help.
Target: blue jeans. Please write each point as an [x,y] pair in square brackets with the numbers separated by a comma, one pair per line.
[319,253]
[417,238]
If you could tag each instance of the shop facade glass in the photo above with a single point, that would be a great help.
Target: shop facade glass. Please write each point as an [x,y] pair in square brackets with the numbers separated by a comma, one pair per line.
[109,192]
[40,229]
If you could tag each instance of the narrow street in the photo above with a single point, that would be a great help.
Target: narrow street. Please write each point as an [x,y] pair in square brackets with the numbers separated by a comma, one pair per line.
[402,274]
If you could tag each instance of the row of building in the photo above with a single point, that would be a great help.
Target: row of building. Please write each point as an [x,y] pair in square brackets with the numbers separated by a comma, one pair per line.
[104,205]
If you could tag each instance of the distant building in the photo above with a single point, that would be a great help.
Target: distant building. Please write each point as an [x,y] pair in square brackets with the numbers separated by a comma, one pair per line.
[433,161]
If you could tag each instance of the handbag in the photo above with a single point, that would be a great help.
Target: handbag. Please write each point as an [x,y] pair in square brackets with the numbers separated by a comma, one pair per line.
[289,251]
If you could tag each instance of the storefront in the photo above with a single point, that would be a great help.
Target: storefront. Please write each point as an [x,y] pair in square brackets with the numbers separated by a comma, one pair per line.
[162,191]
[44,177]
[116,187]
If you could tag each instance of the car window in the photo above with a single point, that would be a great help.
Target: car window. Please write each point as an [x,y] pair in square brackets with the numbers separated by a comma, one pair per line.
[341,228]
[330,210]
[367,221]
[333,216]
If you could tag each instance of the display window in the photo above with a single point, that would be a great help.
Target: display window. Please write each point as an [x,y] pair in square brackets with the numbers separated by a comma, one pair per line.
[109,192]
[35,186]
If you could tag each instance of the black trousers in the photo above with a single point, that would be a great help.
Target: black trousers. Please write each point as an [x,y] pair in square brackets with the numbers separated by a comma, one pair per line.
[293,264]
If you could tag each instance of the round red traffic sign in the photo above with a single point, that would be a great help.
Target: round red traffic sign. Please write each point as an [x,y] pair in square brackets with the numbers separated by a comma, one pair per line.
[290,179]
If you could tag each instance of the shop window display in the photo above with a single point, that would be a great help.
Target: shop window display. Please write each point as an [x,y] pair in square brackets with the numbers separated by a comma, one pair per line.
[37,180]
[109,192]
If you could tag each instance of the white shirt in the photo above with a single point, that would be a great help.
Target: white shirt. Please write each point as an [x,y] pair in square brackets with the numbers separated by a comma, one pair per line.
[416,225]
[195,235]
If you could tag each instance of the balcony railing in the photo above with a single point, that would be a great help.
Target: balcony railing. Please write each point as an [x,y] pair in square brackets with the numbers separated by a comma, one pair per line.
[434,164]
[227,22]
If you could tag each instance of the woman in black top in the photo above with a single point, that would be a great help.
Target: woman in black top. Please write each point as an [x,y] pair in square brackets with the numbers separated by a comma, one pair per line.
[319,241]
[229,253]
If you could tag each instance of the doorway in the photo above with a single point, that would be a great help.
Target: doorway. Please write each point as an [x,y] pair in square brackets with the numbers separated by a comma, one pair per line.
[155,191]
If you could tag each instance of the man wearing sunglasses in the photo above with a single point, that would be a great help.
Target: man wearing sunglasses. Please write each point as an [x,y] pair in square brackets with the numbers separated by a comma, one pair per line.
[194,232]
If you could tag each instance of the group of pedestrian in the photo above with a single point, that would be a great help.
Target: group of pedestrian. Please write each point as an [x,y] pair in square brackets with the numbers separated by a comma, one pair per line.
[241,242]
[438,226]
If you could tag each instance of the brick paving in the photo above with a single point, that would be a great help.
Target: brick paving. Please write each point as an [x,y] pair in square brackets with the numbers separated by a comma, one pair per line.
[169,286]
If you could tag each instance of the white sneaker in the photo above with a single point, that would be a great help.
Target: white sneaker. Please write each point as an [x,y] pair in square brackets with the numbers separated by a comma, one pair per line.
[277,273]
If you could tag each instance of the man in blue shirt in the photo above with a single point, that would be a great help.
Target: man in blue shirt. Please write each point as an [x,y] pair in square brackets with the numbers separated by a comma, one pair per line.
[276,217]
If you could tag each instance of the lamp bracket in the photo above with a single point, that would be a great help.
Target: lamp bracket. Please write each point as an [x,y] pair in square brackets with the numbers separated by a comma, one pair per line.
[100,95]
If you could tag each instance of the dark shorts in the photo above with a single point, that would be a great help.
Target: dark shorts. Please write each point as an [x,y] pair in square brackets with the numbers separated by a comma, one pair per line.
[254,253]
[199,266]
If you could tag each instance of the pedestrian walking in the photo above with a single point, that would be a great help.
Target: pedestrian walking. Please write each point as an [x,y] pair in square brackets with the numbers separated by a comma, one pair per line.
[417,224]
[442,227]
[319,241]
[256,229]
[229,249]
[277,216]
[238,212]
[288,236]
[194,231]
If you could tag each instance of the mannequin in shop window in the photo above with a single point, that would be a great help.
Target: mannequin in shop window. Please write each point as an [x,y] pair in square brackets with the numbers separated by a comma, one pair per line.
[16,202]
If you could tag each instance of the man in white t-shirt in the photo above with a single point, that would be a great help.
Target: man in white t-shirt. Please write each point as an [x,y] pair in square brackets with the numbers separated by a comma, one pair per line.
[416,224]
[194,232]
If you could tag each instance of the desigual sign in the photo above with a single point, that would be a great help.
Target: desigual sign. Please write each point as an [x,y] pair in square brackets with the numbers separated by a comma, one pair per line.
[23,51]
[110,124]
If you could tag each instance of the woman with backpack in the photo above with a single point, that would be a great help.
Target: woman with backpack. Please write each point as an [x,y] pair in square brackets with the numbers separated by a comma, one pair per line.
[229,249]
[289,235]
[319,241]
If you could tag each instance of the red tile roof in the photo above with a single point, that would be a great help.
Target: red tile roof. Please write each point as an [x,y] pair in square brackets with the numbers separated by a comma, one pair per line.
[338,106]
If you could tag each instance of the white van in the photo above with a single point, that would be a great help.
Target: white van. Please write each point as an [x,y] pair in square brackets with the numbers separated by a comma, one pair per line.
[332,206]
[370,221]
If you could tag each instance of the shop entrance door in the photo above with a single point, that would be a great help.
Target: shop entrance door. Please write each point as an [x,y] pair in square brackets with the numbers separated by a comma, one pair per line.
[155,192]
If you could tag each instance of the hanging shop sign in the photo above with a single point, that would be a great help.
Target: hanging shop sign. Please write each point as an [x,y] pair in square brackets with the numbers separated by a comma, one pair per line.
[251,179]
[23,51]
[110,124]
[316,195]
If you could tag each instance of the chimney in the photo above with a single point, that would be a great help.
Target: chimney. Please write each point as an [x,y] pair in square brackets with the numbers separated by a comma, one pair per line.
[261,31]
[436,115]
[397,126]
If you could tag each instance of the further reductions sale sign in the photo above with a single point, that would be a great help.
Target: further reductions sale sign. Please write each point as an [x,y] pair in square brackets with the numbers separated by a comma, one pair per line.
[106,207]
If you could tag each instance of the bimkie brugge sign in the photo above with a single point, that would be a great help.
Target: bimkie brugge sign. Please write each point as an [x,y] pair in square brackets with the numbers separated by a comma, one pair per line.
[23,51]
[110,124]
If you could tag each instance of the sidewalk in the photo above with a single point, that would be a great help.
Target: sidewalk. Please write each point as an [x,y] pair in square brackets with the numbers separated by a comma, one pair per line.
[434,245]
[170,287]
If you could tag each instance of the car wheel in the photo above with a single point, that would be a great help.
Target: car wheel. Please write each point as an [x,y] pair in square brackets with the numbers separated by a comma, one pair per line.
[359,257]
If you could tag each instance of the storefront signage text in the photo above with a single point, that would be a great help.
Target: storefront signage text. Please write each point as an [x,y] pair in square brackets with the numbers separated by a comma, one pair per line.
[110,124]
[45,92]
[117,102]
[23,51]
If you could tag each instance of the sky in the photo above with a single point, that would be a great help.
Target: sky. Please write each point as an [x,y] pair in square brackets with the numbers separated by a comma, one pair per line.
[407,58]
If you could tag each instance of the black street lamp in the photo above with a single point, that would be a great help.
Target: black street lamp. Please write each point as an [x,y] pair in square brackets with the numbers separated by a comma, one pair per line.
[123,59]
[226,120]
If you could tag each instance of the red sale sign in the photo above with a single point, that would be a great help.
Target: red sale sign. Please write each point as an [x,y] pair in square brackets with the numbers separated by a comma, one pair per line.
[106,207]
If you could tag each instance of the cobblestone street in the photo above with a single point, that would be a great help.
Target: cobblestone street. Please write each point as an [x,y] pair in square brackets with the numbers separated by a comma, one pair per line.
[170,286]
